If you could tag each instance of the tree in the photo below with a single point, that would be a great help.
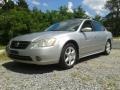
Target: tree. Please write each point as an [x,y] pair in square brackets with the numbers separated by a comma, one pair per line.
[18,20]
[79,13]
[114,7]
[22,4]
[114,16]
[8,5]
[14,23]
[99,19]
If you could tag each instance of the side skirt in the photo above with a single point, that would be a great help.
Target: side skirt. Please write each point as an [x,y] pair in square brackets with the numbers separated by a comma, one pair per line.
[91,54]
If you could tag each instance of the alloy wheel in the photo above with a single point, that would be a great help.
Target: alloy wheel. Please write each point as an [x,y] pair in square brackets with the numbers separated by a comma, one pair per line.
[70,56]
[108,47]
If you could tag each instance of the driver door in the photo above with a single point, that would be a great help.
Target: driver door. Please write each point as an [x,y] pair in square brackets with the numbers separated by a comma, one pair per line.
[87,39]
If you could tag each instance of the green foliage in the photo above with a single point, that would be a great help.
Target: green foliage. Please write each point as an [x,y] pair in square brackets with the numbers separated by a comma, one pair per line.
[113,18]
[98,18]
[79,13]
[2,47]
[17,19]
[9,5]
[22,4]
[13,24]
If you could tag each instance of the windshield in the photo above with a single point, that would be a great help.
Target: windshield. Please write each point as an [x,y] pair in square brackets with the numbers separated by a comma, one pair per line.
[70,25]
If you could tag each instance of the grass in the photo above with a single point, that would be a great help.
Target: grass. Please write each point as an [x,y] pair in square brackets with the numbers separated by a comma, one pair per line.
[116,37]
[3,57]
[2,47]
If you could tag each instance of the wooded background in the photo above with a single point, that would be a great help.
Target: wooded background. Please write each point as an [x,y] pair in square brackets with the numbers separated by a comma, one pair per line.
[18,19]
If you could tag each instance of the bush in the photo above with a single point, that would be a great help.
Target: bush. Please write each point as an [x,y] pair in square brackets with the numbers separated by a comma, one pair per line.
[18,19]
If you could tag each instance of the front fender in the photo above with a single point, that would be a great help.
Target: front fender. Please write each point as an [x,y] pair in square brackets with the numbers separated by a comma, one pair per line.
[62,41]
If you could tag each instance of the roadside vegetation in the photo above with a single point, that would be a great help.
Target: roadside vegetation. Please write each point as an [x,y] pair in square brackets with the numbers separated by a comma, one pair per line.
[118,38]
[3,56]
[2,47]
[17,19]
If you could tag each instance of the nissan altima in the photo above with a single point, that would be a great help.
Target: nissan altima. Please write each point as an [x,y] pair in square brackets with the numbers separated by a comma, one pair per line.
[62,43]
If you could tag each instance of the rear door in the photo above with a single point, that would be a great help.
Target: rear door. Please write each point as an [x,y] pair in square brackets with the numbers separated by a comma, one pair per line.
[100,37]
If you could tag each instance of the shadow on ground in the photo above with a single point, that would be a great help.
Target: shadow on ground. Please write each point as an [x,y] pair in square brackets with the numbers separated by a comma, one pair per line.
[38,69]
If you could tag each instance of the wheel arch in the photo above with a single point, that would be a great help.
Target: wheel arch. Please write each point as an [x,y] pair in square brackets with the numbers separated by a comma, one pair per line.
[110,40]
[74,43]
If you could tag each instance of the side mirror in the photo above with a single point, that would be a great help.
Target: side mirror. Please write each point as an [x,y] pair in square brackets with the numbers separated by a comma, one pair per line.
[87,29]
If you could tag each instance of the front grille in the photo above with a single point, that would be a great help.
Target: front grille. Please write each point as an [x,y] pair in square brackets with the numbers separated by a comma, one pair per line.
[19,44]
[18,57]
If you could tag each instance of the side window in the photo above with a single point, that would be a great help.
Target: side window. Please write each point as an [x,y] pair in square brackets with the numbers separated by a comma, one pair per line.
[98,27]
[87,24]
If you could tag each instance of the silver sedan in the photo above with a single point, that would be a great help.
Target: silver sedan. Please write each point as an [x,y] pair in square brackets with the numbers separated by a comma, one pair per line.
[62,43]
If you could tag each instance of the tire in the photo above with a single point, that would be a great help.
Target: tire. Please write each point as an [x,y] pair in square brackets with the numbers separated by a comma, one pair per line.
[107,48]
[68,56]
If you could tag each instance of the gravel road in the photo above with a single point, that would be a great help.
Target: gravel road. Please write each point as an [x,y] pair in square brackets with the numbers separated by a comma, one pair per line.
[116,44]
[98,72]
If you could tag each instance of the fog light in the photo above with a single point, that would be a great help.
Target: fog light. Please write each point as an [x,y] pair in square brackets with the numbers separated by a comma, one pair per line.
[38,58]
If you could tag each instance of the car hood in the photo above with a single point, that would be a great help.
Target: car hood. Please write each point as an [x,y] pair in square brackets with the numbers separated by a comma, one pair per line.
[39,35]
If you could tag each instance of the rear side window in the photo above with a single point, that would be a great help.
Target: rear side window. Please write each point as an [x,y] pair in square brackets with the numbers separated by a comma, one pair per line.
[98,27]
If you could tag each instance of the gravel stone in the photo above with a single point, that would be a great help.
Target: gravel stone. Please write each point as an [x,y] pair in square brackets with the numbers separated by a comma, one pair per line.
[97,72]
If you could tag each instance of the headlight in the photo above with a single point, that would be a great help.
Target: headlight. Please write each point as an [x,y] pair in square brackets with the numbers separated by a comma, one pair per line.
[44,43]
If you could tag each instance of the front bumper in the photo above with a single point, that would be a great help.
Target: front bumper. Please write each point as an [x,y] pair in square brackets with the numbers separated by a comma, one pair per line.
[40,56]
